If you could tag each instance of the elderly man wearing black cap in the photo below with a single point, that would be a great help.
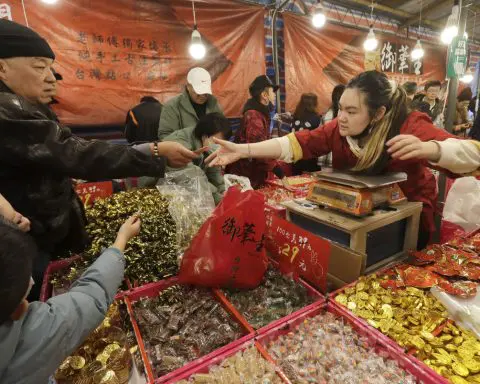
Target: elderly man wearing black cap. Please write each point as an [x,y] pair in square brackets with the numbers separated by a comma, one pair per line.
[255,127]
[38,157]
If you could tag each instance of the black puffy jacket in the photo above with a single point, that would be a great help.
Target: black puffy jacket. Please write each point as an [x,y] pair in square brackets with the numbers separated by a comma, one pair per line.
[38,158]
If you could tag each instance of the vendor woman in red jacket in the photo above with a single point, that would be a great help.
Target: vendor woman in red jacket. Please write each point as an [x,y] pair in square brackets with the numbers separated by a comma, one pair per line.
[255,127]
[374,133]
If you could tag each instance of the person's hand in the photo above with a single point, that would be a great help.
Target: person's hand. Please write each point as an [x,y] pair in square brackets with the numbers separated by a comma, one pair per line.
[406,147]
[21,222]
[128,230]
[177,155]
[227,154]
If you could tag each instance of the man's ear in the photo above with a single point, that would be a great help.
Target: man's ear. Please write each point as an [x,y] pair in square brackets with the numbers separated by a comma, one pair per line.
[3,69]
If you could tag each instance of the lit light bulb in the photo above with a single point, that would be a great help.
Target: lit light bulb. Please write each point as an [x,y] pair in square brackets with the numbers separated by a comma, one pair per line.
[418,51]
[465,35]
[197,49]
[319,19]
[371,43]
[467,78]
[50,1]
[448,34]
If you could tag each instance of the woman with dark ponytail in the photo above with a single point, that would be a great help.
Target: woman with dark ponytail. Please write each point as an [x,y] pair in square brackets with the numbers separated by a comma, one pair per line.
[375,132]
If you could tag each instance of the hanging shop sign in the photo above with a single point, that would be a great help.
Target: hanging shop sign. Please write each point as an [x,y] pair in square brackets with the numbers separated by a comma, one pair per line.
[298,252]
[457,57]
[396,57]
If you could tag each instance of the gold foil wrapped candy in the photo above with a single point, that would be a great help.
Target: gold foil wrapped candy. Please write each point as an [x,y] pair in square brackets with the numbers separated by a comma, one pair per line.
[152,255]
[408,316]
[104,358]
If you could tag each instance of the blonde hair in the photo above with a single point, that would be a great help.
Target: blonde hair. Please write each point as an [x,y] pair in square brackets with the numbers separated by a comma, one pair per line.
[379,92]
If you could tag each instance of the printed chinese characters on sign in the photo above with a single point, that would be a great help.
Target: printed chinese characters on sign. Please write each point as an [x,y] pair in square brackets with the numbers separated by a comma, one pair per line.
[108,56]
[396,58]
[5,12]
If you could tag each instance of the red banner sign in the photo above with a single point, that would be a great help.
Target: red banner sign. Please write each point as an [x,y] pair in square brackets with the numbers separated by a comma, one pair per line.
[298,251]
[89,192]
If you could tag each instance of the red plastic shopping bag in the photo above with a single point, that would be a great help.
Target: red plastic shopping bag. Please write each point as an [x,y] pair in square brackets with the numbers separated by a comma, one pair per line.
[228,250]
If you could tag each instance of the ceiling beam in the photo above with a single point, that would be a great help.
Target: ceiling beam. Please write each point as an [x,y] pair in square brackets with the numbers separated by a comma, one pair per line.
[393,11]
[425,12]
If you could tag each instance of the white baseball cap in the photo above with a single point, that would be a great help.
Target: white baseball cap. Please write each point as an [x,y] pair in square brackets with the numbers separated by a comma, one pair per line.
[200,80]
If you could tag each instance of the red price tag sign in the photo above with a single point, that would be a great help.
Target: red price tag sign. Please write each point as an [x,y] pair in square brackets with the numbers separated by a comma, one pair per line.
[89,192]
[298,251]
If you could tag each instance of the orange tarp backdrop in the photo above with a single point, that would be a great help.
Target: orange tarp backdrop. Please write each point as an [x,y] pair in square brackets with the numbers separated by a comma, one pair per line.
[317,60]
[112,52]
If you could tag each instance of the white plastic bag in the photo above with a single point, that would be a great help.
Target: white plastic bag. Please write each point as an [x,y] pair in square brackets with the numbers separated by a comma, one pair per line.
[462,206]
[191,201]
[235,180]
[465,312]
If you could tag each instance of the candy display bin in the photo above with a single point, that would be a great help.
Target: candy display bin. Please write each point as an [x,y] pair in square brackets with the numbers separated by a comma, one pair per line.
[205,366]
[47,290]
[412,366]
[317,298]
[55,266]
[152,290]
[433,376]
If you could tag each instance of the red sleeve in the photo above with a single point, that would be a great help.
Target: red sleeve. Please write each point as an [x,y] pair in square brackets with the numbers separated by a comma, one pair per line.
[255,129]
[419,124]
[317,142]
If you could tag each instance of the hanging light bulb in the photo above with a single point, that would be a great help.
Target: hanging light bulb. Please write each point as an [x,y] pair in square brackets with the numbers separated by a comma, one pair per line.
[49,1]
[318,18]
[418,52]
[197,49]
[371,42]
[468,77]
[451,29]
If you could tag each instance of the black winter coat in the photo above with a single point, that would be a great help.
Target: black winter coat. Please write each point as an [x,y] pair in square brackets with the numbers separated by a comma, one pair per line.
[38,158]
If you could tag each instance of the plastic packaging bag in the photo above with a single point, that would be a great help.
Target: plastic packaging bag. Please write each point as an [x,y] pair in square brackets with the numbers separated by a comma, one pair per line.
[191,201]
[462,206]
[237,181]
[465,312]
[228,250]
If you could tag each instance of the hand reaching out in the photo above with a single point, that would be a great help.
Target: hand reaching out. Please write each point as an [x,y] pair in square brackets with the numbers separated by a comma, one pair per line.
[128,231]
[227,154]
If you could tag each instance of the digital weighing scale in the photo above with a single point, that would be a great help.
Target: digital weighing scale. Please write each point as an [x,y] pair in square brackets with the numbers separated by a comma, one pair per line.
[355,194]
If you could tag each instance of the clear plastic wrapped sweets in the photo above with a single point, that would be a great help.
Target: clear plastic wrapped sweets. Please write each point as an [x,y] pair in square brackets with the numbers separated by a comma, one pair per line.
[278,296]
[325,350]
[181,325]
[245,367]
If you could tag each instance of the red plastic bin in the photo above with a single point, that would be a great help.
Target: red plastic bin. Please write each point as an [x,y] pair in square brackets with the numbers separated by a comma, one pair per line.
[151,290]
[413,366]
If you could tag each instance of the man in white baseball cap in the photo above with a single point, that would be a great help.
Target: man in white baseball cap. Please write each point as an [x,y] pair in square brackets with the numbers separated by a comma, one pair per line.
[186,109]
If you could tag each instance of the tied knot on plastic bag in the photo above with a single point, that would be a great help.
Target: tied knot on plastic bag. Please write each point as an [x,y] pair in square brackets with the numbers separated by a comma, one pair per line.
[228,250]
[191,202]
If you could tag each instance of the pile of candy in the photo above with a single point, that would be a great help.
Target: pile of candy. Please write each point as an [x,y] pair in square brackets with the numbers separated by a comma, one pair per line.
[150,256]
[105,357]
[244,367]
[181,325]
[274,195]
[325,350]
[454,354]
[278,296]
[408,316]
[63,279]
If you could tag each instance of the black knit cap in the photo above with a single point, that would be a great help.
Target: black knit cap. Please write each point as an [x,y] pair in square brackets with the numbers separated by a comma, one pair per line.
[17,40]
[260,83]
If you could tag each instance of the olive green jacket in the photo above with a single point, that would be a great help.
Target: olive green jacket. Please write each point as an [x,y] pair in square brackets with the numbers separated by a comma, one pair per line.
[214,174]
[178,113]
